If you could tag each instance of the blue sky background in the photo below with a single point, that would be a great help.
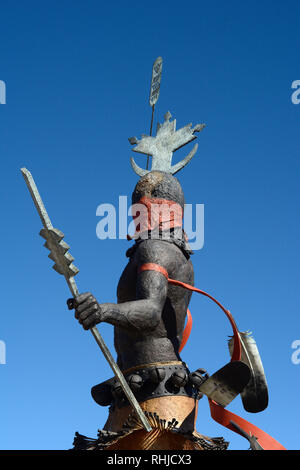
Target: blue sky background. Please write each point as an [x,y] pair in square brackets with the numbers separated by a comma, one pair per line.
[77,76]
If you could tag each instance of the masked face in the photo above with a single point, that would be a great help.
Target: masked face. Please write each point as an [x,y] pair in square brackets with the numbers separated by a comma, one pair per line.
[156,214]
[158,205]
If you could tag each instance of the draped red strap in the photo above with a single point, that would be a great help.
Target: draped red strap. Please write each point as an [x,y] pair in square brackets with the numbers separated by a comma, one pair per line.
[189,323]
[236,356]
[154,267]
[218,413]
[223,417]
[187,330]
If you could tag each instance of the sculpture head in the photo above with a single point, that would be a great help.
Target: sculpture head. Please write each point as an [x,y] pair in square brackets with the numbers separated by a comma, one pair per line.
[160,185]
[158,205]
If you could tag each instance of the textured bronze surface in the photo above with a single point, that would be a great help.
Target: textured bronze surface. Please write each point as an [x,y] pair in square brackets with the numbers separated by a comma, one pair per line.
[183,409]
[155,440]
[147,383]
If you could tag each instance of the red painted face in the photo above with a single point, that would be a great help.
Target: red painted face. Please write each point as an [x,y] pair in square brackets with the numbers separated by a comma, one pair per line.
[156,213]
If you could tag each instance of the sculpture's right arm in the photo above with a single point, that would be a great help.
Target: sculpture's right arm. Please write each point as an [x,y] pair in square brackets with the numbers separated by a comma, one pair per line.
[142,314]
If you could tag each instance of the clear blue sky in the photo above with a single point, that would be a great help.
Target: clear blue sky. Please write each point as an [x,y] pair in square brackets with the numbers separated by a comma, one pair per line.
[77,76]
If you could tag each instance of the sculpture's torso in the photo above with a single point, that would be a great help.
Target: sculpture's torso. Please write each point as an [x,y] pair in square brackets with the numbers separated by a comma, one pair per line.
[162,343]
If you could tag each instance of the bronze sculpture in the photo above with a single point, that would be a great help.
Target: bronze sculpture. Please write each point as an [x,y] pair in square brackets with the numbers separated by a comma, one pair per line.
[153,396]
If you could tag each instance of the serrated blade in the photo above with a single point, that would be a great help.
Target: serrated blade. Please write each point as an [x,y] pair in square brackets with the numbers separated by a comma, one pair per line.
[63,265]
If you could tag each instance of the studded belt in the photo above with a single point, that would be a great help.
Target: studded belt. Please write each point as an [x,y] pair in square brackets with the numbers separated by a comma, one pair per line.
[147,381]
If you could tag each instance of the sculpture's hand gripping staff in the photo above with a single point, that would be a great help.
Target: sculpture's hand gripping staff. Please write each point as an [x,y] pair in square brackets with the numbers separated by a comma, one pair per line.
[64,265]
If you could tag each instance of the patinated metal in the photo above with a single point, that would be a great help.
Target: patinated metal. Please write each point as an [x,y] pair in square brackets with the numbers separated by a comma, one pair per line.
[162,147]
[149,321]
[154,91]
[63,265]
[227,383]
[155,81]
[255,395]
[148,382]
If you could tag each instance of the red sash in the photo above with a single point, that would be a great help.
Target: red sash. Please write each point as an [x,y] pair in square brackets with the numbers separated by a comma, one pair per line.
[218,413]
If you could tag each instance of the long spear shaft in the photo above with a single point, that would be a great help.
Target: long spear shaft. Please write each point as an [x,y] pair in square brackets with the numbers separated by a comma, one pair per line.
[65,266]
[154,91]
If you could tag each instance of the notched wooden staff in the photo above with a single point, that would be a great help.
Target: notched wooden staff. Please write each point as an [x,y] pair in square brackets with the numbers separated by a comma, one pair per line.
[64,265]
